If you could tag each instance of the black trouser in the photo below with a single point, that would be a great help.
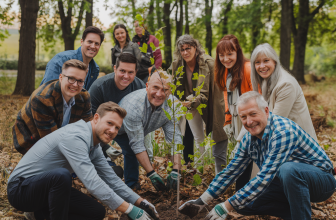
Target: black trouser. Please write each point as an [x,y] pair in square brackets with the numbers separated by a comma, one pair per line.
[50,196]
[245,177]
[188,142]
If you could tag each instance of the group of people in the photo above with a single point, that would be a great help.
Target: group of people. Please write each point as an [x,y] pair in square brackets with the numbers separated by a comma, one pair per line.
[66,126]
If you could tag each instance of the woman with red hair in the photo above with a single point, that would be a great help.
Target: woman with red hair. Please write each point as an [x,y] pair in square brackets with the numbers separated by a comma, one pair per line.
[233,76]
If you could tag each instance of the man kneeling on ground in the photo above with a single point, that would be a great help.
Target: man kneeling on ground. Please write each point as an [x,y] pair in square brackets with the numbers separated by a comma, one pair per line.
[41,182]
[294,170]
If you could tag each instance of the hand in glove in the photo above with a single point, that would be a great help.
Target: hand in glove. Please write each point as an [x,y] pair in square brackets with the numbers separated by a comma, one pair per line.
[157,181]
[172,179]
[219,212]
[136,213]
[193,207]
[113,153]
[228,130]
[150,209]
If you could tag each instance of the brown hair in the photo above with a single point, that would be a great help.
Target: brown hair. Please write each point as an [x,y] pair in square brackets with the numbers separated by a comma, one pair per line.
[95,30]
[111,107]
[128,39]
[127,58]
[226,44]
[74,63]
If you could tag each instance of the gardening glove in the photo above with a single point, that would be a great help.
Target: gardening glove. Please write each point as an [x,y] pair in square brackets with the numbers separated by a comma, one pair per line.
[113,153]
[193,207]
[136,213]
[157,181]
[228,130]
[172,179]
[150,209]
[219,212]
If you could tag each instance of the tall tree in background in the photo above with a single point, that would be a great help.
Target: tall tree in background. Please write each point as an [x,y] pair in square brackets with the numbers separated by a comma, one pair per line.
[286,32]
[167,32]
[179,21]
[150,17]
[69,37]
[158,13]
[208,16]
[186,11]
[256,22]
[25,83]
[226,9]
[89,14]
[300,28]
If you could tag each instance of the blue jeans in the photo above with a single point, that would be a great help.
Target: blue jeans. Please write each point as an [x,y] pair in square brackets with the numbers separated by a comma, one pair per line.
[131,164]
[290,193]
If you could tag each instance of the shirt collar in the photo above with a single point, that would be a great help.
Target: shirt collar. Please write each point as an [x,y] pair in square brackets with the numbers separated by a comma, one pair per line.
[149,106]
[71,102]
[267,128]
[91,143]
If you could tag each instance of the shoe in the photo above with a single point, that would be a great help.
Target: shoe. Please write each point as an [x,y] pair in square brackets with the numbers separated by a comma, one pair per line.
[136,186]
[29,215]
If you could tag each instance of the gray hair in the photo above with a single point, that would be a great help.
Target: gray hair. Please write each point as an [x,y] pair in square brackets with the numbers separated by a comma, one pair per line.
[252,95]
[257,80]
[189,40]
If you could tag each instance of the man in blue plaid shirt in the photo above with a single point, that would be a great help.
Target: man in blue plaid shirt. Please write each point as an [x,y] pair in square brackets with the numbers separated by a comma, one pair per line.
[294,169]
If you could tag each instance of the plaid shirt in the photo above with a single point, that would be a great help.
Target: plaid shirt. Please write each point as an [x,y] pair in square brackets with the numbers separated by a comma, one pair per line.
[283,141]
[141,120]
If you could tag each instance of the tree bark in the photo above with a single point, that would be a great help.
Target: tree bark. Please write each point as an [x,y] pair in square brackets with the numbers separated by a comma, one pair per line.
[225,29]
[256,22]
[133,9]
[208,16]
[179,23]
[285,32]
[69,37]
[300,37]
[25,83]
[89,14]
[167,33]
[150,17]
[158,13]
[186,12]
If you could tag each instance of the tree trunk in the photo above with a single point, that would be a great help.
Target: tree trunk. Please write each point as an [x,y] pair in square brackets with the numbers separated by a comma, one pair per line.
[285,32]
[89,14]
[179,24]
[69,37]
[225,29]
[208,16]
[300,37]
[158,13]
[133,9]
[150,17]
[25,83]
[167,33]
[186,28]
[256,22]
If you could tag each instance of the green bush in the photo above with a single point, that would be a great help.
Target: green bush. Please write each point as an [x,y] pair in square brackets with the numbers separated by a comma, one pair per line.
[106,69]
[13,65]
[40,65]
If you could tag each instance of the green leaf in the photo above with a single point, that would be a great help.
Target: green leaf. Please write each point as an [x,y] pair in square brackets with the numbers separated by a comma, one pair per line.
[169,103]
[326,146]
[152,46]
[195,76]
[138,18]
[184,109]
[199,108]
[200,169]
[144,48]
[191,156]
[167,114]
[189,116]
[178,83]
[180,147]
[197,180]
[201,75]
[182,162]
[212,143]
[170,164]
[152,60]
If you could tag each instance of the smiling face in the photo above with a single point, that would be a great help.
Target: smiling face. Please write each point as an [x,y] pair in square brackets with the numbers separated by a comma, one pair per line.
[188,52]
[124,75]
[253,118]
[157,91]
[228,58]
[106,128]
[138,29]
[91,45]
[120,35]
[264,66]
[70,90]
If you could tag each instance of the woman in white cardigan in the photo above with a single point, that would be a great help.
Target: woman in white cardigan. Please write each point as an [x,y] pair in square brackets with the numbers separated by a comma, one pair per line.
[279,88]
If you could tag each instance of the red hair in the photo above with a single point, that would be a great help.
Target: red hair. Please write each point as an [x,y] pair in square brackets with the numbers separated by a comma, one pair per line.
[227,44]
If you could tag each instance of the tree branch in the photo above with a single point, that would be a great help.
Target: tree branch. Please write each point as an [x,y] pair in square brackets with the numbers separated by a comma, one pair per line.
[316,10]
[173,8]
[80,18]
[61,9]
[294,30]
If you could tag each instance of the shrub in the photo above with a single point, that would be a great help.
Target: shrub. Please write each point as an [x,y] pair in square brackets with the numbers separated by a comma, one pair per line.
[13,65]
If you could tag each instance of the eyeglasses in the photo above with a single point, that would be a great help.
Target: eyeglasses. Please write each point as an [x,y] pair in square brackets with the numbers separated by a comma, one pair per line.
[72,80]
[186,49]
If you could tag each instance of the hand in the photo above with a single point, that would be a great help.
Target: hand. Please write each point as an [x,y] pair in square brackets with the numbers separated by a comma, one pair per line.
[186,104]
[150,209]
[113,153]
[157,182]
[228,130]
[192,207]
[136,213]
[219,212]
[172,180]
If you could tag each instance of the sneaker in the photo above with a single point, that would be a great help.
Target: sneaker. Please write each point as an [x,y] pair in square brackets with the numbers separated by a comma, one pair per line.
[136,186]
[29,215]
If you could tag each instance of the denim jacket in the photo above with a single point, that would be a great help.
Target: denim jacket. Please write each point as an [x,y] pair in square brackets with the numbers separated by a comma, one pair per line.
[54,67]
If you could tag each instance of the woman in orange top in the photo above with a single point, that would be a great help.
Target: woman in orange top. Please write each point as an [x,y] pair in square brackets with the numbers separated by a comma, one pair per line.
[233,76]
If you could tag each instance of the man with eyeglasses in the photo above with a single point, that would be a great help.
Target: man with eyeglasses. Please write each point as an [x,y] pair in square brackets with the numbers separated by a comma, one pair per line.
[53,105]
[91,41]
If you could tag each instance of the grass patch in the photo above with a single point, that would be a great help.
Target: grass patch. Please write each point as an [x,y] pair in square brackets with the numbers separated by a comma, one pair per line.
[7,83]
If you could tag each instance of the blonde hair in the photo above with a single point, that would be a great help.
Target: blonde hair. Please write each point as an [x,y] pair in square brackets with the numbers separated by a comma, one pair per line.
[74,63]
[111,107]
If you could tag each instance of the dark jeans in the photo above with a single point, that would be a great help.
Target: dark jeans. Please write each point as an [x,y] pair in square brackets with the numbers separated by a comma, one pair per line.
[131,164]
[50,196]
[290,193]
[244,178]
[188,142]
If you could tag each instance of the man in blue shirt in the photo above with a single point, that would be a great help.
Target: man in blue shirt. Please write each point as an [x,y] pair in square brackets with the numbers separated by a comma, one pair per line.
[294,169]
[91,41]
[41,182]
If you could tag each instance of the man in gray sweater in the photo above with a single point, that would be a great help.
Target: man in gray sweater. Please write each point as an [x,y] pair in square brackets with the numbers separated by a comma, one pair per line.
[41,182]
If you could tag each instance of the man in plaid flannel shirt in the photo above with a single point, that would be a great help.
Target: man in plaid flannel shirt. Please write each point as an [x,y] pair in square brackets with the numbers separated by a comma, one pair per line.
[294,169]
